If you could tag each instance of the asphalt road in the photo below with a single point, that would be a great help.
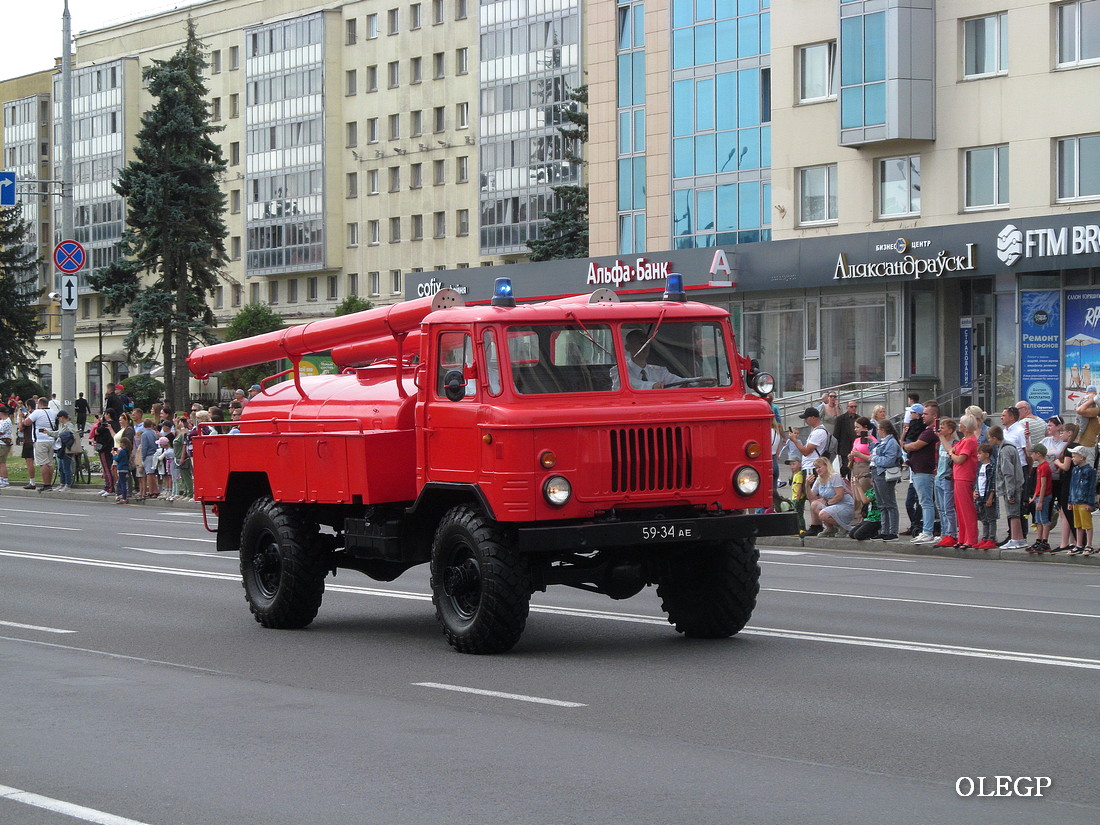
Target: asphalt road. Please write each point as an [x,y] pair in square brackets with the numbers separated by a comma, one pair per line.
[135,688]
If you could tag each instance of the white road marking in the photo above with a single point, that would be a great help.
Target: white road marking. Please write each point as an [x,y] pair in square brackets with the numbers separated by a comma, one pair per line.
[519,697]
[37,526]
[868,569]
[936,604]
[24,511]
[36,627]
[162,521]
[211,555]
[169,538]
[788,553]
[65,808]
[856,641]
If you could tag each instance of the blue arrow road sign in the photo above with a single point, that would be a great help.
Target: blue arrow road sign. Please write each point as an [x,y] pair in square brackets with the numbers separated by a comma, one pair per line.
[7,188]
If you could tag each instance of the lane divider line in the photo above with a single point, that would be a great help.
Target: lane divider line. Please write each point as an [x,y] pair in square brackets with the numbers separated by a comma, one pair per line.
[496,694]
[36,627]
[867,569]
[934,603]
[65,808]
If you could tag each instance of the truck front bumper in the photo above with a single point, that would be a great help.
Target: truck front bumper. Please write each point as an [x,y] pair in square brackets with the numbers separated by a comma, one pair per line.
[587,538]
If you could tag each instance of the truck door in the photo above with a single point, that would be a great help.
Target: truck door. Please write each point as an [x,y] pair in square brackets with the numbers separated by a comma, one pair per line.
[452,439]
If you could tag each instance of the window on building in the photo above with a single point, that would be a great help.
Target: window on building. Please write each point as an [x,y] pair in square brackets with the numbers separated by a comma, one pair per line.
[462,222]
[235,153]
[416,175]
[372,78]
[462,61]
[234,201]
[462,115]
[372,283]
[254,293]
[333,288]
[439,66]
[353,283]
[350,79]
[863,70]
[395,126]
[817,72]
[372,130]
[416,123]
[985,45]
[352,182]
[437,11]
[1078,167]
[395,178]
[416,69]
[237,293]
[292,291]
[216,62]
[273,292]
[460,10]
[462,169]
[234,58]
[440,221]
[395,282]
[353,234]
[351,32]
[1079,32]
[394,73]
[417,228]
[414,16]
[351,133]
[986,177]
[235,247]
[395,230]
[311,289]
[439,118]
[899,187]
[216,109]
[372,181]
[373,233]
[817,191]
[234,105]
[393,20]
[439,173]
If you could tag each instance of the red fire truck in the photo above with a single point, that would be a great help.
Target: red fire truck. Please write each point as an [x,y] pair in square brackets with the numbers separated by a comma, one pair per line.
[585,441]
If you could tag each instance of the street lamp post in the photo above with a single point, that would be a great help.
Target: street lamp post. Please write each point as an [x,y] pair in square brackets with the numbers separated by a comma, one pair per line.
[110,330]
[68,316]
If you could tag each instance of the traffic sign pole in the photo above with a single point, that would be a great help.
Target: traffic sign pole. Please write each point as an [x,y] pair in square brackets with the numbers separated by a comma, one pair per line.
[68,216]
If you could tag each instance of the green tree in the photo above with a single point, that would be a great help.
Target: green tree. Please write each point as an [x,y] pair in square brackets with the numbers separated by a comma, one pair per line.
[144,391]
[353,303]
[175,231]
[18,296]
[253,319]
[565,233]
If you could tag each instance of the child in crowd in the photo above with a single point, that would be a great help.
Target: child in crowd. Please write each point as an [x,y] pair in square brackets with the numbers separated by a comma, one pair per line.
[163,457]
[1041,498]
[122,462]
[1082,498]
[985,494]
[872,519]
[798,492]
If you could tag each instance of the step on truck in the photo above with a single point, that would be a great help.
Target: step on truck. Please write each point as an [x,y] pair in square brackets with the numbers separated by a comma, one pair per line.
[586,441]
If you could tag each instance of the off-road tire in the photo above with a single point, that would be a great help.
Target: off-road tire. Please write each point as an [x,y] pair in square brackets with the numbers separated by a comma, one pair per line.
[710,592]
[481,587]
[282,567]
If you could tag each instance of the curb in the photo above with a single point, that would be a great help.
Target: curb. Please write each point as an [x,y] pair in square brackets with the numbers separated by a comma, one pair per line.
[903,547]
[89,493]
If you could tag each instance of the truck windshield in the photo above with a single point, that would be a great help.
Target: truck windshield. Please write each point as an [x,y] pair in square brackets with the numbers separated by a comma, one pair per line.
[560,358]
[680,355]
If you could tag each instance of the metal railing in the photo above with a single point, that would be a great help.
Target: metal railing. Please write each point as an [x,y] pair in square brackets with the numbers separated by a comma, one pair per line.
[867,394]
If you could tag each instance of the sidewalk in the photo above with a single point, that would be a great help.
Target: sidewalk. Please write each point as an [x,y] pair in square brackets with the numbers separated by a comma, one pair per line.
[90,492]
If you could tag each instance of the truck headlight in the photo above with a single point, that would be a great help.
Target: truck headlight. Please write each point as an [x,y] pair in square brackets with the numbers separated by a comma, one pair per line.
[764,383]
[746,480]
[557,490]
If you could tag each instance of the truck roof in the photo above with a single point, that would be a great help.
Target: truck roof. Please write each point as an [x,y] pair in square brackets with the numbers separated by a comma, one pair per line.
[551,312]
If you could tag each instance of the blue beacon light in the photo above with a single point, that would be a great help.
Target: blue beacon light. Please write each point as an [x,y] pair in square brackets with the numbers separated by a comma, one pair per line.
[674,288]
[502,293]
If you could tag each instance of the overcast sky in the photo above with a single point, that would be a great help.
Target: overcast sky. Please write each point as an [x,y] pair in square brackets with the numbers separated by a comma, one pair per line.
[33,27]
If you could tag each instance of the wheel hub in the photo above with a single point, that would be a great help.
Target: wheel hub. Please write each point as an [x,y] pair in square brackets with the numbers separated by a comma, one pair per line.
[462,583]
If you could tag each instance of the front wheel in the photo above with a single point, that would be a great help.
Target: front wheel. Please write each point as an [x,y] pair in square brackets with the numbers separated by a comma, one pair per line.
[282,569]
[710,592]
[481,586]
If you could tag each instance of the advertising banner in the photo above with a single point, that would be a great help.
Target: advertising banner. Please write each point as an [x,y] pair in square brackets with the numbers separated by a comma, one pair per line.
[1040,351]
[966,353]
[1082,357]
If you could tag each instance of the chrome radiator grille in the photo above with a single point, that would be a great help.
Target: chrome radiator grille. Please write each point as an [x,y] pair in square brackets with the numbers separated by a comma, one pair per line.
[647,459]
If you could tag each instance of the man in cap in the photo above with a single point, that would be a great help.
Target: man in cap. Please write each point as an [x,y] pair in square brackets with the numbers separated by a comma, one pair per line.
[113,401]
[254,390]
[240,397]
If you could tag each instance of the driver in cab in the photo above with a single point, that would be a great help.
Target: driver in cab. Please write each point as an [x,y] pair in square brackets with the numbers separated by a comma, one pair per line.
[643,375]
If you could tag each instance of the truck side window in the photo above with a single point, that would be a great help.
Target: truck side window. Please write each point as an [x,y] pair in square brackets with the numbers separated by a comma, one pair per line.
[492,361]
[456,352]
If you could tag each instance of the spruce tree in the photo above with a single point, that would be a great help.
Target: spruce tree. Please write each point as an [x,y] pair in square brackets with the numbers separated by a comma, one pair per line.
[173,249]
[18,296]
[565,234]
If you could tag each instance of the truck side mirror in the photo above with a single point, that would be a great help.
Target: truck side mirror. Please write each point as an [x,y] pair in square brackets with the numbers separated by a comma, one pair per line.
[454,385]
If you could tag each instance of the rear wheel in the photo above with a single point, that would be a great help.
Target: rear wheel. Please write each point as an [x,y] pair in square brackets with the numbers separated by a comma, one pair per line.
[481,586]
[282,568]
[711,592]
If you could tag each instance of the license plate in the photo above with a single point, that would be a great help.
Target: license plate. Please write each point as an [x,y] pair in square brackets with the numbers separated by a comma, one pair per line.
[667,532]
